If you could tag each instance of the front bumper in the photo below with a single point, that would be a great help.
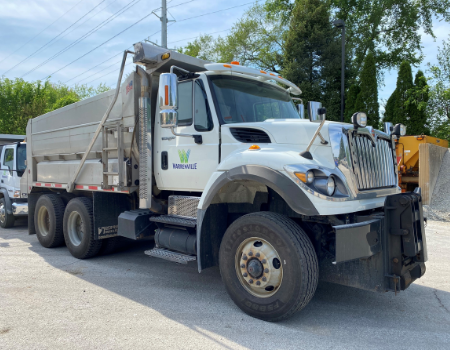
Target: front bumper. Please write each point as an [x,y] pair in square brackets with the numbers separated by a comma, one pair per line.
[384,252]
[20,209]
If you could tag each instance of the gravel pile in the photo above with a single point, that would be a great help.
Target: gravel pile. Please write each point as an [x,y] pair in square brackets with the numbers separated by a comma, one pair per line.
[440,201]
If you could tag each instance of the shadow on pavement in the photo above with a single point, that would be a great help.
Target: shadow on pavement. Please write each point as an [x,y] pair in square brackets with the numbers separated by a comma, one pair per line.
[415,318]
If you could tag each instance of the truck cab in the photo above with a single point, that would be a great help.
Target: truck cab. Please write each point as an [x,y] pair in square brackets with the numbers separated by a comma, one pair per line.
[13,203]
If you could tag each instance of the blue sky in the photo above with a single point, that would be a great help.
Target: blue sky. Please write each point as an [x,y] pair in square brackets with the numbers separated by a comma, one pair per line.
[23,22]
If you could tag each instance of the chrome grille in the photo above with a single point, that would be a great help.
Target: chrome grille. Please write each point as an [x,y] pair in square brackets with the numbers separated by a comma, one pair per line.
[373,165]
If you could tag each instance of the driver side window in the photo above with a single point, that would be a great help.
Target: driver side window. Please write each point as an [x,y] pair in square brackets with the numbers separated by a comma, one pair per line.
[8,159]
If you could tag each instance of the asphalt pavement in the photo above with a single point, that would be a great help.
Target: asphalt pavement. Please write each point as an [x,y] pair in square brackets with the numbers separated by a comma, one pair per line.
[50,300]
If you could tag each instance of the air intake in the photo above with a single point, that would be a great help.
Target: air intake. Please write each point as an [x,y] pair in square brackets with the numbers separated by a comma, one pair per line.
[247,135]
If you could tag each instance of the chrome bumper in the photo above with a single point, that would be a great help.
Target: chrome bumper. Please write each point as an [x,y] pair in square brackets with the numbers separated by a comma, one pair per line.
[20,209]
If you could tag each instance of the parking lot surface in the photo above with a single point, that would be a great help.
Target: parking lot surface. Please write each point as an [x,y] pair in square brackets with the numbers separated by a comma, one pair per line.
[50,300]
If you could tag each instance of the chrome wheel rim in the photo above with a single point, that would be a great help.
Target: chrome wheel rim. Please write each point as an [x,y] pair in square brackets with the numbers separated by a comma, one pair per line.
[43,221]
[75,228]
[2,213]
[258,267]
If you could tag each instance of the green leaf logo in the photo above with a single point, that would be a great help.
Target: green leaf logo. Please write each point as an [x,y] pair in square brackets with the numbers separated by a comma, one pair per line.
[184,156]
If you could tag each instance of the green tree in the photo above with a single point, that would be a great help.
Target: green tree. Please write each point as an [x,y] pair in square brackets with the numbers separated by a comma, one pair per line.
[21,100]
[367,100]
[439,93]
[350,101]
[418,103]
[312,57]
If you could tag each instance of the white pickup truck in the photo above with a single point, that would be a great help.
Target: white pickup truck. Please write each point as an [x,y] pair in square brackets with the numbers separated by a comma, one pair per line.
[216,162]
[13,203]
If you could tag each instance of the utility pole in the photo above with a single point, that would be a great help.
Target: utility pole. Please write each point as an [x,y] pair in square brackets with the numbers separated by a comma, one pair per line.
[341,24]
[163,19]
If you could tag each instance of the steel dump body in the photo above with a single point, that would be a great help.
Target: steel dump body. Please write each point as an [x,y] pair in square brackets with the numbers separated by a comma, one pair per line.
[58,139]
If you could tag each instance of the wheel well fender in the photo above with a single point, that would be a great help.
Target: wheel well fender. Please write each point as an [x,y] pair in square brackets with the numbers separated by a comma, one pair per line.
[212,214]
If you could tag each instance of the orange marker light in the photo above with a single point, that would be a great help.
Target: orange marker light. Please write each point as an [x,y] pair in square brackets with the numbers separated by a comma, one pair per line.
[227,66]
[263,72]
[235,62]
[254,148]
[166,91]
[420,138]
[301,176]
[272,74]
[280,77]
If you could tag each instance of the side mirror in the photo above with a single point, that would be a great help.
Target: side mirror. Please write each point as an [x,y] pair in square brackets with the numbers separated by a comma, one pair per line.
[315,112]
[388,128]
[168,99]
[399,130]
[301,110]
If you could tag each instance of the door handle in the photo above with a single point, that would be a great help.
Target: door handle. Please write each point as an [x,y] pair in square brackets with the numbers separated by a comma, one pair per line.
[2,181]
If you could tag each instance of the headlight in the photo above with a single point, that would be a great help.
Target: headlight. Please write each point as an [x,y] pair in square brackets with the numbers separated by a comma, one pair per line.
[16,194]
[331,186]
[359,120]
[309,176]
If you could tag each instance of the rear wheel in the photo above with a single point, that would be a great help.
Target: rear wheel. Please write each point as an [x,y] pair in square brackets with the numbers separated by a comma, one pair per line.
[268,265]
[78,229]
[48,219]
[6,220]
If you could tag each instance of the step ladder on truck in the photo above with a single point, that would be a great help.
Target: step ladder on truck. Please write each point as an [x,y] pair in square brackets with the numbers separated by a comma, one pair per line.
[217,164]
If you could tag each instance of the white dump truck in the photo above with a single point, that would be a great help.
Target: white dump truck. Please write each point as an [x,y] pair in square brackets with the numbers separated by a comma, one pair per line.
[216,162]
[13,203]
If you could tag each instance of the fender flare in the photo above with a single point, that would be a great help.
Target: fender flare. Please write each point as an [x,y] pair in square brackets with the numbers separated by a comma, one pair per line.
[291,193]
[8,203]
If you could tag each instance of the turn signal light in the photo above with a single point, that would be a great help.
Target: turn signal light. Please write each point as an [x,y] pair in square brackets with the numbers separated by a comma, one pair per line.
[261,71]
[165,56]
[227,66]
[420,138]
[254,148]
[166,93]
[235,62]
[301,176]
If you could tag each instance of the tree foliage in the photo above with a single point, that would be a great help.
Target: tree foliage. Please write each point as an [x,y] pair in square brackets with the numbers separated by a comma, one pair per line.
[417,102]
[350,101]
[312,57]
[21,100]
[439,94]
[367,100]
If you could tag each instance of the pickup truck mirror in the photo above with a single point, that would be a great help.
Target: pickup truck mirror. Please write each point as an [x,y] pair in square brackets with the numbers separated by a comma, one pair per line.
[168,99]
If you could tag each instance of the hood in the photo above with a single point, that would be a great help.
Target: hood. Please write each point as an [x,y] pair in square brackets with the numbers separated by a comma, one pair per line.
[287,131]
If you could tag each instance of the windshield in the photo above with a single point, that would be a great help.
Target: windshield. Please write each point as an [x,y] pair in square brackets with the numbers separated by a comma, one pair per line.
[21,157]
[242,100]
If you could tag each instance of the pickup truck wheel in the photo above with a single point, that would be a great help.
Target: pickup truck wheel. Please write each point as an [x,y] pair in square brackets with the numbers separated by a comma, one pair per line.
[78,229]
[268,265]
[48,219]
[6,220]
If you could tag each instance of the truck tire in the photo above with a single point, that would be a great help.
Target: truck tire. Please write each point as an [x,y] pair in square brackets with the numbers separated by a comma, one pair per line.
[6,220]
[48,220]
[79,229]
[110,245]
[268,265]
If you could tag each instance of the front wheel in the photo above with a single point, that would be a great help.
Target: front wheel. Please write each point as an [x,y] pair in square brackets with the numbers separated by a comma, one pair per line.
[268,265]
[6,220]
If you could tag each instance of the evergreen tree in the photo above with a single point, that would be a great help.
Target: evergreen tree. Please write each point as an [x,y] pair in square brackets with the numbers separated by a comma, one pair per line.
[418,102]
[367,100]
[402,111]
[312,56]
[350,101]
[389,109]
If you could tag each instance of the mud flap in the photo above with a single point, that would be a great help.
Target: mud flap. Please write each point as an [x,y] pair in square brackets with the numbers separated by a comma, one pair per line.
[107,208]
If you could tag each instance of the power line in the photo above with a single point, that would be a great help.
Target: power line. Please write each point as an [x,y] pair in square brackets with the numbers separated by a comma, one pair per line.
[55,37]
[121,52]
[195,37]
[95,48]
[43,30]
[89,33]
[185,19]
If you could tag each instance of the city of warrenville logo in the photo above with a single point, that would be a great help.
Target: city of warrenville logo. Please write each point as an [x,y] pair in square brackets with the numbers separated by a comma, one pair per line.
[184,160]
[184,156]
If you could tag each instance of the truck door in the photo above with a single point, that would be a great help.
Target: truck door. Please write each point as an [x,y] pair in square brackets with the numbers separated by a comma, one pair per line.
[183,164]
[8,168]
